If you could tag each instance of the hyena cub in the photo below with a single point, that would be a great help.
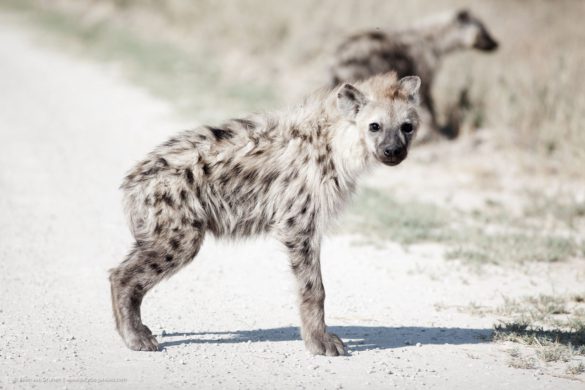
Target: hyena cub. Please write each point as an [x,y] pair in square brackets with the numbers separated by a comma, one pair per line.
[415,51]
[286,172]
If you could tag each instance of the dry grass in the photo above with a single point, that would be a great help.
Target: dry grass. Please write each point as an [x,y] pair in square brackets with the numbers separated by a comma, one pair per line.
[577,369]
[552,327]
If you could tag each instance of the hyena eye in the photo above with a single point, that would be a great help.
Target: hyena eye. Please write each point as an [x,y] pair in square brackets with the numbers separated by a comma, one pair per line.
[374,127]
[406,128]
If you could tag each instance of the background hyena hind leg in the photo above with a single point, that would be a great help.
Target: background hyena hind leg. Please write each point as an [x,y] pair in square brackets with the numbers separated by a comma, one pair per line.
[143,269]
[306,266]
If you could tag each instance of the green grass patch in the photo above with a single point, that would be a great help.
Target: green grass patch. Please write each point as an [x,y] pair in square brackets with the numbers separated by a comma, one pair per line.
[377,215]
[516,247]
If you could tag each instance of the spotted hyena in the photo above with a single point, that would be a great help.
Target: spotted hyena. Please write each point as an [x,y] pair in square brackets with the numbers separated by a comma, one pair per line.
[286,173]
[419,51]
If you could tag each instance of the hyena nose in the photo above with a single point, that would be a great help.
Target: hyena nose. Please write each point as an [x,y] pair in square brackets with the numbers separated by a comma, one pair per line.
[390,151]
[394,153]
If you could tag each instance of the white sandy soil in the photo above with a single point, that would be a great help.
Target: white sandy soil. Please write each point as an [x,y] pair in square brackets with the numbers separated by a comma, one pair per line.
[69,130]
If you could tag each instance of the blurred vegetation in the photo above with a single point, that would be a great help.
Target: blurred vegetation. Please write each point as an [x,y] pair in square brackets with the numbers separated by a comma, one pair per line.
[530,91]
[191,79]
[225,58]
[493,237]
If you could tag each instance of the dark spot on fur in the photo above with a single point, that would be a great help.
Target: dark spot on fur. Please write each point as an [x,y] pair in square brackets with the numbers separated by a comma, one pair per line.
[250,175]
[309,285]
[221,134]
[155,267]
[169,258]
[376,35]
[189,176]
[302,190]
[269,179]
[308,230]
[202,137]
[171,142]
[162,162]
[197,224]
[124,281]
[306,248]
[157,228]
[135,300]
[183,195]
[224,179]
[237,169]
[174,243]
[290,222]
[166,197]
[206,169]
[348,94]
[336,181]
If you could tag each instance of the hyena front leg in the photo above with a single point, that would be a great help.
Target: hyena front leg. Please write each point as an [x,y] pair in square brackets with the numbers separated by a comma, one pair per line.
[145,266]
[305,263]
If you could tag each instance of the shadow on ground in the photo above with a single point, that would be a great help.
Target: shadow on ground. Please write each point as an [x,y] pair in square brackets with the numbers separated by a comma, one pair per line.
[357,338]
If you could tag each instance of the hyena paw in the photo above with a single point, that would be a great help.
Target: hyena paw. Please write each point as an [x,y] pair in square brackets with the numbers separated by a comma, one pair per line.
[325,344]
[141,340]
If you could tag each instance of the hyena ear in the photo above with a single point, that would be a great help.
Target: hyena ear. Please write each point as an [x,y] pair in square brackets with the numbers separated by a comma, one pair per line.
[463,16]
[410,85]
[350,100]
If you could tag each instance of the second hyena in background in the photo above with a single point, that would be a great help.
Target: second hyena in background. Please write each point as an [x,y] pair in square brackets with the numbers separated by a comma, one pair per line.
[287,173]
[419,51]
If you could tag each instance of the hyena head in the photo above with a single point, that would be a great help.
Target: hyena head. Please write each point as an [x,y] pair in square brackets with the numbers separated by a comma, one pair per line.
[383,111]
[473,33]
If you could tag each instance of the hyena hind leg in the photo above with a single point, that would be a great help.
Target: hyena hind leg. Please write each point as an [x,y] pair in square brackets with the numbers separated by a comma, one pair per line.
[143,268]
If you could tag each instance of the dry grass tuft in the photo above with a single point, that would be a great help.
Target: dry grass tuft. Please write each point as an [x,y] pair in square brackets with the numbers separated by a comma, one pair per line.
[552,327]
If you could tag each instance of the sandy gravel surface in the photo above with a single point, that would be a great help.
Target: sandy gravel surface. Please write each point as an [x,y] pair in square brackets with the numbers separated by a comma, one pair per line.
[68,131]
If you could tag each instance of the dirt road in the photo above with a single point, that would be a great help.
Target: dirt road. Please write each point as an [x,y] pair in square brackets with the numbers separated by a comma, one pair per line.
[68,131]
